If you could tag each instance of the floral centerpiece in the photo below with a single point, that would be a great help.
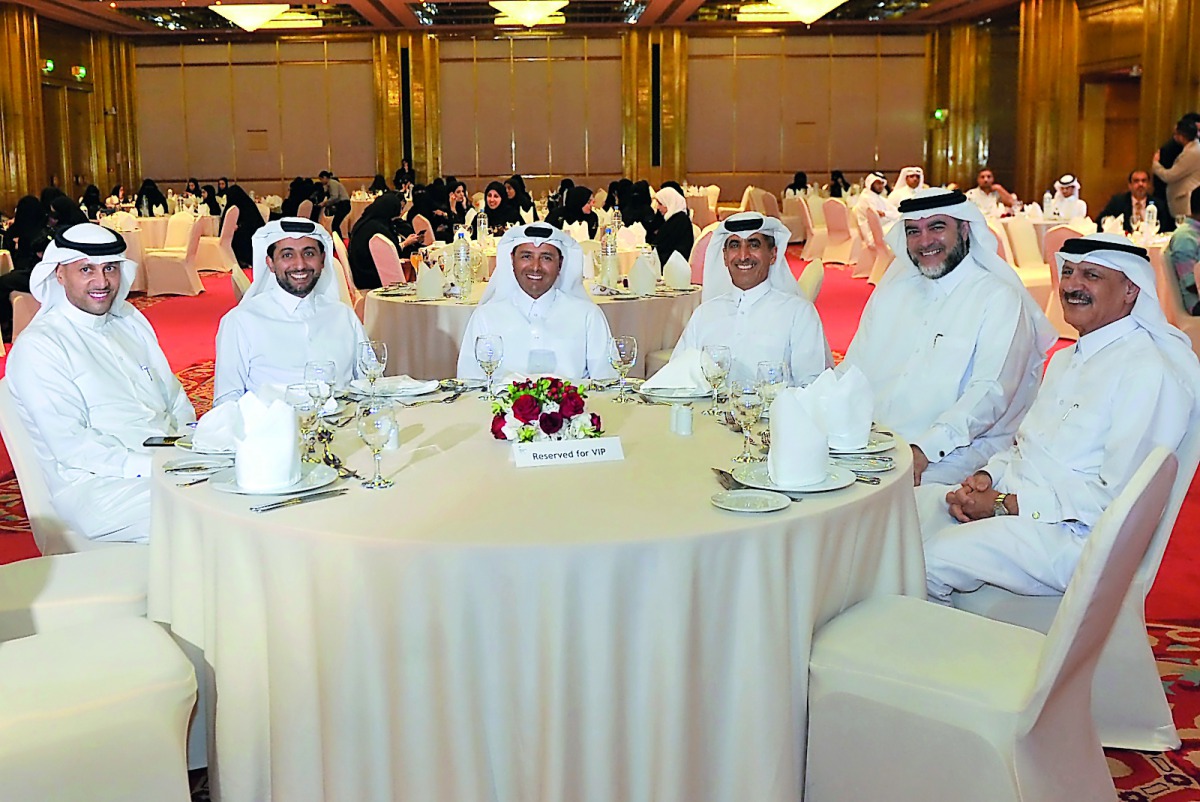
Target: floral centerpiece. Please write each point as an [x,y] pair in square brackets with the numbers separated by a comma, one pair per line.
[543,409]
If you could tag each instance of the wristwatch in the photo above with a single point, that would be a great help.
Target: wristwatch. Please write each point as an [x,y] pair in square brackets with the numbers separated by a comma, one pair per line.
[998,507]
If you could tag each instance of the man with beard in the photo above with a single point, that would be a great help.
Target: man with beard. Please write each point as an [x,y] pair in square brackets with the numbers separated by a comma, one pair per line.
[991,198]
[951,342]
[291,315]
[1131,384]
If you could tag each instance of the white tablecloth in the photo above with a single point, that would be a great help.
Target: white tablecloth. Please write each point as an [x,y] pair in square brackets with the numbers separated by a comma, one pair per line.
[588,633]
[424,337]
[154,229]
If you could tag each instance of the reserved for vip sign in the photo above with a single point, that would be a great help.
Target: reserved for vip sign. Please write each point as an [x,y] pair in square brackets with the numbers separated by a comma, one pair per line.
[568,452]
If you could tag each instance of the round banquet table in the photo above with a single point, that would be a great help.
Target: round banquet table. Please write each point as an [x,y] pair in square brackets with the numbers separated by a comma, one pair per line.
[587,632]
[154,229]
[424,337]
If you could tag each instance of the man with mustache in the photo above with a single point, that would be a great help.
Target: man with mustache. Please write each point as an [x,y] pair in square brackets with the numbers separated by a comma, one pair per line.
[1129,385]
[752,303]
[951,342]
[291,315]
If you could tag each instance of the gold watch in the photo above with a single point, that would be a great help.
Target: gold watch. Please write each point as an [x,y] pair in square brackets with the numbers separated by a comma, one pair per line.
[998,507]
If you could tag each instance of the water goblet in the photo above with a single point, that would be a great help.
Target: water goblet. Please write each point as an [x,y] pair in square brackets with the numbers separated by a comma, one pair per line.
[376,424]
[372,359]
[300,398]
[489,352]
[321,376]
[715,363]
[622,355]
[747,405]
[772,378]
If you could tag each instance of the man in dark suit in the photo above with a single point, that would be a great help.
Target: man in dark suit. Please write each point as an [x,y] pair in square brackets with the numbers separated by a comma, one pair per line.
[1131,206]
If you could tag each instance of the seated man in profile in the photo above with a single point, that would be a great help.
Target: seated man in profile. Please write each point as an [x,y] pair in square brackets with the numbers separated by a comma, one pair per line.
[1131,384]
[951,341]
[753,304]
[991,198]
[291,315]
[537,303]
[909,181]
[92,383]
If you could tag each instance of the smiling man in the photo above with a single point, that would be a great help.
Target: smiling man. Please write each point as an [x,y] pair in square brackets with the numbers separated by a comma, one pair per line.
[536,302]
[1130,384]
[291,314]
[91,384]
[752,303]
[951,341]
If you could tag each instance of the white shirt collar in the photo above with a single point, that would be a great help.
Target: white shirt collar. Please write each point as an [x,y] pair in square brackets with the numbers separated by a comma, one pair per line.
[747,298]
[82,319]
[1094,341]
[290,303]
[532,307]
[950,282]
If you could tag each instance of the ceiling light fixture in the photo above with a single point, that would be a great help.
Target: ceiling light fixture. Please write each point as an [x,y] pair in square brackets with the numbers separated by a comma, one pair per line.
[806,11]
[529,12]
[251,17]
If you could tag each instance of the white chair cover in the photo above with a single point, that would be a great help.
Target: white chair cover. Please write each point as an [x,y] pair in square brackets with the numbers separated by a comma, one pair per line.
[1034,273]
[811,279]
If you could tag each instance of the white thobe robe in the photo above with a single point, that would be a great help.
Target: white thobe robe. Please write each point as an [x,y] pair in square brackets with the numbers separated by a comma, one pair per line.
[1070,208]
[1102,408]
[760,324]
[557,334]
[988,203]
[267,340]
[90,390]
[952,364]
[873,203]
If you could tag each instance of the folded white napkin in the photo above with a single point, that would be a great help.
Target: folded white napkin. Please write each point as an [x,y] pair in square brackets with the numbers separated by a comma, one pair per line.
[268,455]
[431,284]
[578,230]
[677,273]
[844,407]
[799,453]
[630,237]
[1112,225]
[396,386]
[685,371]
[1034,210]
[643,276]
[1084,225]
[219,429]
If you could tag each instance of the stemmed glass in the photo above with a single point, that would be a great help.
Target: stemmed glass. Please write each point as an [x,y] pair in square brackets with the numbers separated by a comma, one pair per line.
[320,376]
[372,359]
[715,363]
[747,405]
[622,355]
[489,351]
[376,423]
[301,398]
[772,378]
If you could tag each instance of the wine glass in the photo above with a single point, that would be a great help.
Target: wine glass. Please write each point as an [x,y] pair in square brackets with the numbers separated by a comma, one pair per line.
[715,363]
[772,379]
[372,359]
[301,398]
[622,355]
[320,376]
[376,424]
[747,405]
[489,351]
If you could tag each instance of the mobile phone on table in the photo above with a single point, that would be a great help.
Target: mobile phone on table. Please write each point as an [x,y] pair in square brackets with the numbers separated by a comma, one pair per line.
[153,442]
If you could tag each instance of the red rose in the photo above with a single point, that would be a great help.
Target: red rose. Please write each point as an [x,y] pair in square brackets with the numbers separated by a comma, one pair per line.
[571,404]
[526,409]
[498,427]
[551,422]
[596,423]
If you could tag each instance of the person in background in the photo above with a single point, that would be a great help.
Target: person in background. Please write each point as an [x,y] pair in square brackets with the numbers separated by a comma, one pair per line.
[909,181]
[149,200]
[222,190]
[405,177]
[576,208]
[249,221]
[838,185]
[192,189]
[117,196]
[460,204]
[872,201]
[17,279]
[1167,153]
[64,213]
[559,197]
[336,202]
[675,234]
[1183,251]
[378,185]
[1067,204]
[91,202]
[991,198]
[1184,174]
[499,210]
[519,198]
[48,196]
[208,200]
[798,186]
[381,217]
[1131,205]
[437,204]
[299,190]
[29,224]
[610,199]
[637,206]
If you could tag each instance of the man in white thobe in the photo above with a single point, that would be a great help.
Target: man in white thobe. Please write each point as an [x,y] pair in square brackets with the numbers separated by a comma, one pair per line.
[752,303]
[1131,384]
[91,384]
[991,198]
[290,316]
[951,341]
[908,182]
[1066,203]
[536,302]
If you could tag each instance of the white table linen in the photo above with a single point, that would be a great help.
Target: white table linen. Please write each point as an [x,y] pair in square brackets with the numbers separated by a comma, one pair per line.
[607,637]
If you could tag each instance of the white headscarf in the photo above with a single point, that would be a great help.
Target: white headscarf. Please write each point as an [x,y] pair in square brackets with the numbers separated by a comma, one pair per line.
[902,191]
[503,283]
[291,228]
[90,241]
[673,203]
[869,182]
[1118,253]
[718,282]
[930,202]
[1067,180]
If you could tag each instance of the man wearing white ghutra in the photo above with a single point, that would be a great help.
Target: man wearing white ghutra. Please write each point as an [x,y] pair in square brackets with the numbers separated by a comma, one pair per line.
[951,341]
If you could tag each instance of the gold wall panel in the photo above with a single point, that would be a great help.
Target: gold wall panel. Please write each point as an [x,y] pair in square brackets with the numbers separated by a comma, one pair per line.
[636,111]
[1048,108]
[959,72]
[1171,68]
[22,142]
[423,89]
[1110,35]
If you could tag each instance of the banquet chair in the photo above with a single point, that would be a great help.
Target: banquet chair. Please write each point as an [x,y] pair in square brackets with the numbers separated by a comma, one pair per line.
[818,235]
[179,232]
[869,245]
[216,253]
[96,712]
[699,249]
[122,221]
[936,700]
[264,210]
[347,292]
[816,208]
[714,196]
[51,533]
[1003,248]
[726,211]
[305,209]
[241,282]
[598,197]
[387,261]
[1027,259]
[795,220]
[811,279]
[25,306]
[422,228]
[883,251]
[842,244]
[1052,244]
[1170,297]
[171,272]
[1128,702]
[702,213]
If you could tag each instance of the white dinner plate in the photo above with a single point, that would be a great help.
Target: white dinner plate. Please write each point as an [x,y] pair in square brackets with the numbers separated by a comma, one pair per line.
[197,466]
[674,394]
[751,501]
[388,386]
[758,476]
[875,443]
[185,443]
[861,463]
[312,476]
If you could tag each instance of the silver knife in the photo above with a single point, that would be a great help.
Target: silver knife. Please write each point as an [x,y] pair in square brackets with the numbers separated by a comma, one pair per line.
[294,500]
